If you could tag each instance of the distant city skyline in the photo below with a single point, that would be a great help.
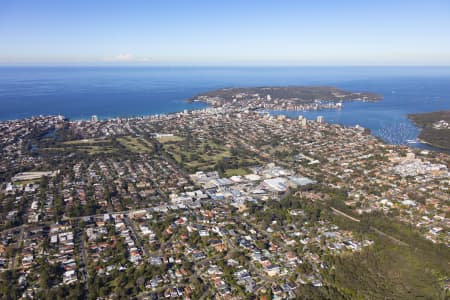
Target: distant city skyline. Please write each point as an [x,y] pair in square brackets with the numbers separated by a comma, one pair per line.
[232,32]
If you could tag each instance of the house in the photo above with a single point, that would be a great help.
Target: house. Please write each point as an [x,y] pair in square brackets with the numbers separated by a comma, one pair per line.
[272,270]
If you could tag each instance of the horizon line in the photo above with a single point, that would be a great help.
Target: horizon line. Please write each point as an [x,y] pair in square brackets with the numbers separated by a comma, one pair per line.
[226,65]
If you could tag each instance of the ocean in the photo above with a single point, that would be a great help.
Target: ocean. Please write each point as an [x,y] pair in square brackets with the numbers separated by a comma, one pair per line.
[79,92]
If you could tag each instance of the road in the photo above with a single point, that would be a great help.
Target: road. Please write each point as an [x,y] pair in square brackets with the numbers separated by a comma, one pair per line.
[82,250]
[12,229]
[393,239]
[19,241]
[136,237]
[376,230]
[344,214]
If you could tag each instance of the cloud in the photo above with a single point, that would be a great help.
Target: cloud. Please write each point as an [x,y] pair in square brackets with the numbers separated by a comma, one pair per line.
[124,57]
[127,57]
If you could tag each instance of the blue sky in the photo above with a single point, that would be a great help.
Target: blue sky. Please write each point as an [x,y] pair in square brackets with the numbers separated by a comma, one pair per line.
[227,32]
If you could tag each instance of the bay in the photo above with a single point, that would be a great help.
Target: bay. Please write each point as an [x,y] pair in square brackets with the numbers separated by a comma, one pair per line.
[79,92]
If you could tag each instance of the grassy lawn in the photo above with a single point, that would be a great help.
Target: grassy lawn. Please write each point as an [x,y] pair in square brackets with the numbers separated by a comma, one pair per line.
[89,149]
[201,156]
[177,157]
[236,172]
[96,150]
[90,146]
[26,182]
[216,157]
[135,144]
[168,139]
[86,141]
[204,155]
[95,146]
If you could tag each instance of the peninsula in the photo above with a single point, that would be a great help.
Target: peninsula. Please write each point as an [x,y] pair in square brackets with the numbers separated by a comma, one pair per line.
[435,127]
[283,98]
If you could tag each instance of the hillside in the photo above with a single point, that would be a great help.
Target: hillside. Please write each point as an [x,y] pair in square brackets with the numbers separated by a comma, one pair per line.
[435,127]
[296,94]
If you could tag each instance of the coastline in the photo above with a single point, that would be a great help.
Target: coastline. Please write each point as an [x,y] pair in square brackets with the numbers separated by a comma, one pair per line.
[422,144]
[430,133]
